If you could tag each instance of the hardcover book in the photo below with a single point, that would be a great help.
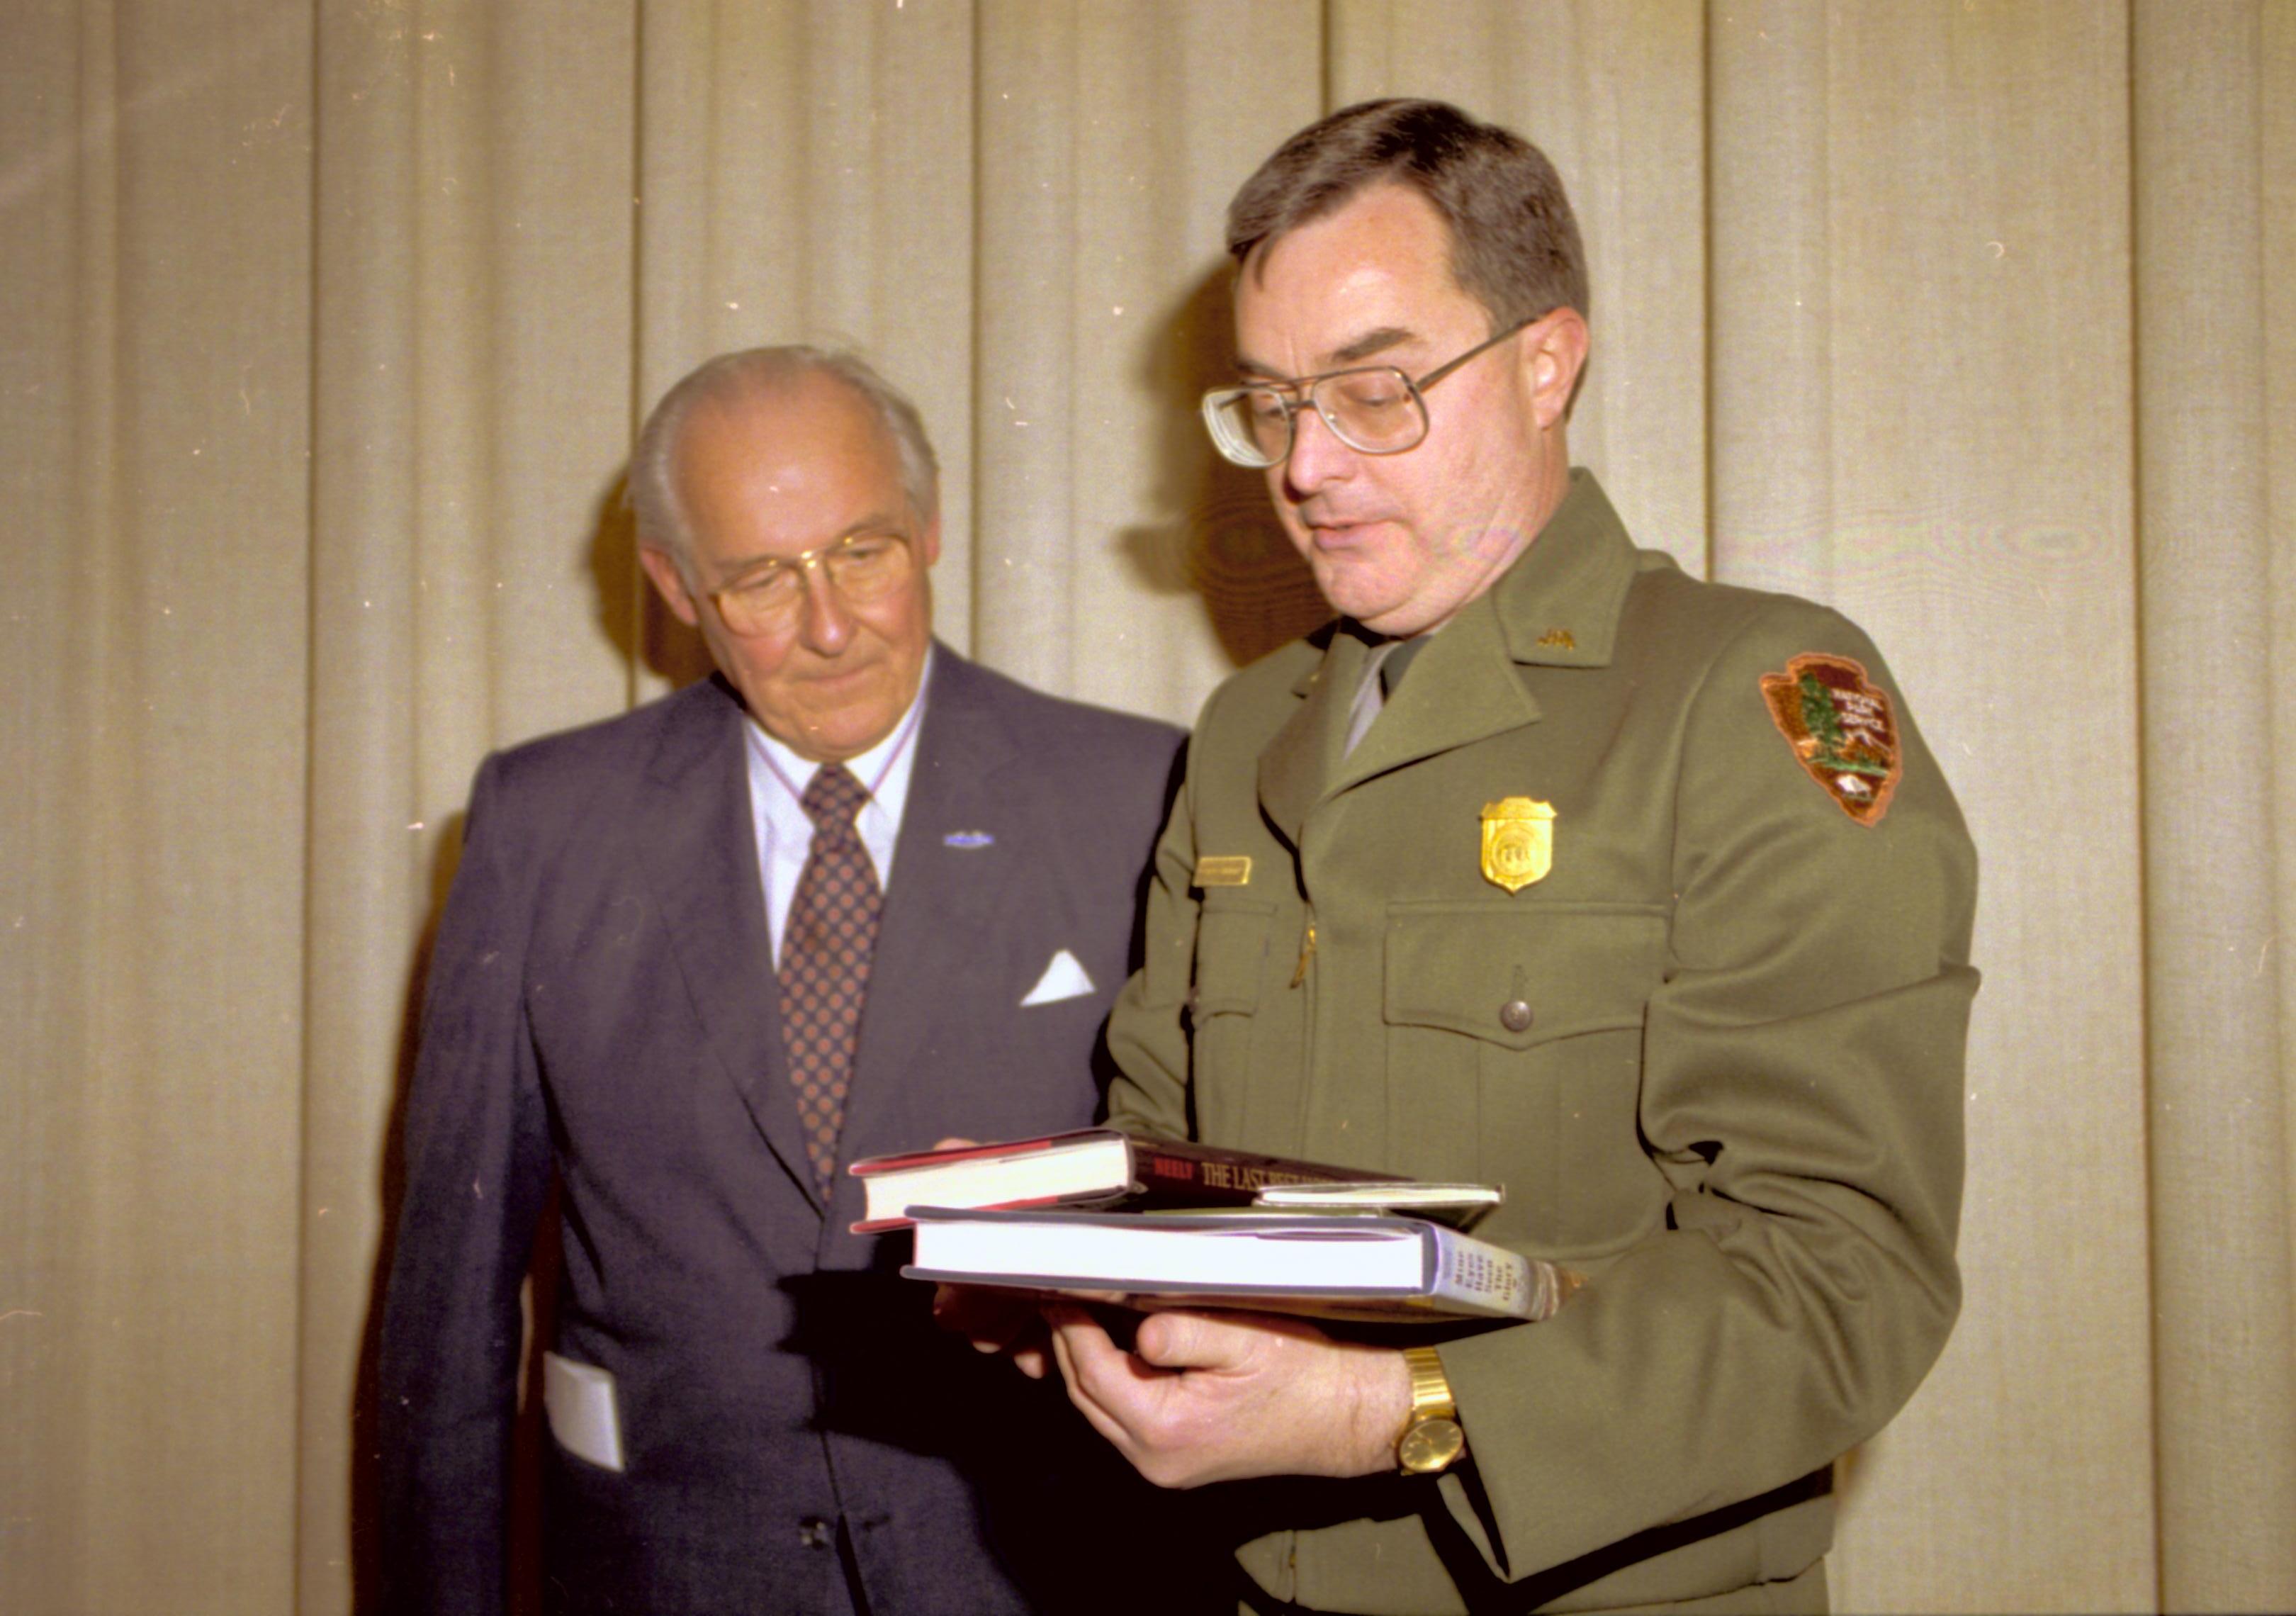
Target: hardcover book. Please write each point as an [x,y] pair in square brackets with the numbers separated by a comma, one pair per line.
[1101,1165]
[1343,1265]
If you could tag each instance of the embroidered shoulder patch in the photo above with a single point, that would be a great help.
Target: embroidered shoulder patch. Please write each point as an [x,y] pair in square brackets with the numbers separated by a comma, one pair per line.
[1842,729]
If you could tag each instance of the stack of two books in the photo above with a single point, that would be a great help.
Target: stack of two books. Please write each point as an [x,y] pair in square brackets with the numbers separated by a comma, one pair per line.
[1163,1224]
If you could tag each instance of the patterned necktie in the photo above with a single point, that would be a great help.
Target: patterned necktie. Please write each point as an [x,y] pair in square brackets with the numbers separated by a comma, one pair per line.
[830,935]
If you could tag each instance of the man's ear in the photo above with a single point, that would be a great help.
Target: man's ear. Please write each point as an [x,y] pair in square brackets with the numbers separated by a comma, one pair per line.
[929,542]
[1551,360]
[663,567]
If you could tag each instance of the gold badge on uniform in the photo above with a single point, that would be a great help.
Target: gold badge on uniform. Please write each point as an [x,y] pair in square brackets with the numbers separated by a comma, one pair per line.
[1224,870]
[1518,841]
[1841,728]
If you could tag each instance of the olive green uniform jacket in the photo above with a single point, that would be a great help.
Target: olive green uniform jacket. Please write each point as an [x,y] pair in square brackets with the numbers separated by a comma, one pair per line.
[1735,1102]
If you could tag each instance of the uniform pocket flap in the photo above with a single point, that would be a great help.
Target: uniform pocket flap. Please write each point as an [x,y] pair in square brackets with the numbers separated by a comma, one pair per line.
[1519,974]
[1231,952]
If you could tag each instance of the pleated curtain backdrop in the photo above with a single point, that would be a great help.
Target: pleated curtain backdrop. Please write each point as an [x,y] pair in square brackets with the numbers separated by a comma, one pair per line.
[327,323]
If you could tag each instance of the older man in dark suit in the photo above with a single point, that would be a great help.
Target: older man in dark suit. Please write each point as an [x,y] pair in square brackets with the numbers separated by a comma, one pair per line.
[854,895]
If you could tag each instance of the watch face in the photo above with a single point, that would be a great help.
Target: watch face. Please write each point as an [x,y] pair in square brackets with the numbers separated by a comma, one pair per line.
[1430,1446]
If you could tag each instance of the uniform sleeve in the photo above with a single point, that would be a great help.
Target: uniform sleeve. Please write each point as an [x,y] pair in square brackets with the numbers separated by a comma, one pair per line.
[477,1167]
[1801,1092]
[1147,1029]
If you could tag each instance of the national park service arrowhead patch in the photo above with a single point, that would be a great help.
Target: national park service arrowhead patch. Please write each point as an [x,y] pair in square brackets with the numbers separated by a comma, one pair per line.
[1841,728]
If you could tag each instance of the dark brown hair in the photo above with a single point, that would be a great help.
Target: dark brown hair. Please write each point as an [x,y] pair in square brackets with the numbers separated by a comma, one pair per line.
[1515,241]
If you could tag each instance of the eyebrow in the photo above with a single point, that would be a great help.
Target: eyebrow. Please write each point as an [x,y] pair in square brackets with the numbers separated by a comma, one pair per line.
[1370,342]
[881,521]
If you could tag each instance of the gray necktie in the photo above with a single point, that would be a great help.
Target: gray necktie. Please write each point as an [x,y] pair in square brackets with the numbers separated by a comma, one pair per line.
[1371,695]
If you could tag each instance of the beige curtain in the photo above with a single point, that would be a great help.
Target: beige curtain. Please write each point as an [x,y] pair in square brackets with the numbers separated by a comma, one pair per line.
[324,328]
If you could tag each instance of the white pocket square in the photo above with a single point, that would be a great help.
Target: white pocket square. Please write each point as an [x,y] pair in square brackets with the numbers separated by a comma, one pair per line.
[579,1400]
[1063,979]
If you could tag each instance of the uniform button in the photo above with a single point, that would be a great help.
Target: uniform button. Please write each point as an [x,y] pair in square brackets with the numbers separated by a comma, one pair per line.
[813,1532]
[1514,1015]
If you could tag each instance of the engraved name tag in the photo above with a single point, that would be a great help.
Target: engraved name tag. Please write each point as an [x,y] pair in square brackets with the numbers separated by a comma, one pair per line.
[1224,870]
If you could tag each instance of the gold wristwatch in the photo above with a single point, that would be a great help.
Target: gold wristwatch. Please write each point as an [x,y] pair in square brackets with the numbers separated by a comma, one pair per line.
[1432,1437]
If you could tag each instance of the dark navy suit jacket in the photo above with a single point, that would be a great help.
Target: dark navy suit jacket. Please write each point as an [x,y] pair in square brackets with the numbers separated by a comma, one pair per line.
[601,1002]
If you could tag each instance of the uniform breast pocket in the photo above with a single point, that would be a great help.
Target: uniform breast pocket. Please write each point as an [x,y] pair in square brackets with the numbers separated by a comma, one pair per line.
[1531,1016]
[1231,968]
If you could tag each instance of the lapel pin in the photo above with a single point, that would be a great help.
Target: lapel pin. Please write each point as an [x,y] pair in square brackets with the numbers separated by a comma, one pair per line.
[968,839]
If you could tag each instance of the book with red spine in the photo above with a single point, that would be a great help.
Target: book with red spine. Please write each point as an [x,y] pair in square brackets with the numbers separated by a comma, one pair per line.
[1100,1167]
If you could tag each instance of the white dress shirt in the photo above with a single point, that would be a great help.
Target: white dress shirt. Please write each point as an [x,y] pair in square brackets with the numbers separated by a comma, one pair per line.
[778,778]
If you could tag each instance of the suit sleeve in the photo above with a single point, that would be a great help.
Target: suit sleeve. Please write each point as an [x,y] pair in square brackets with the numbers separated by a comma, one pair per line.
[1801,1092]
[477,1167]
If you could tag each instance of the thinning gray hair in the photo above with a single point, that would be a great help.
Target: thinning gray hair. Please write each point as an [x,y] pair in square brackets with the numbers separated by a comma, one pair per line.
[752,373]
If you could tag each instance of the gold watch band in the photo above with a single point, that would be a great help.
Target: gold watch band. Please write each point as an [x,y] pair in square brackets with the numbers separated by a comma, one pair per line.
[1430,1390]
[1432,1437]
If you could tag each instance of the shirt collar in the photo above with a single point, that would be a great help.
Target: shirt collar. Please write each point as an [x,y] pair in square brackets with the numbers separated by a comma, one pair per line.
[875,769]
[1558,604]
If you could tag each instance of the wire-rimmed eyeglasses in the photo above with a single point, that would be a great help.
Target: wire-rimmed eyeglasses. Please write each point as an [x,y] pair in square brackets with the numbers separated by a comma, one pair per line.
[1375,409]
[768,597]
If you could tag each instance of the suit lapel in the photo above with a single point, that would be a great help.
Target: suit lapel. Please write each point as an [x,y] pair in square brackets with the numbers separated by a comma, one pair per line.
[700,846]
[1297,764]
[1463,688]
[942,904]
[1557,606]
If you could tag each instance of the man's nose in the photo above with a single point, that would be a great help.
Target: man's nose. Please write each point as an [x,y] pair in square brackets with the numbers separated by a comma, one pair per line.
[826,623]
[1317,455]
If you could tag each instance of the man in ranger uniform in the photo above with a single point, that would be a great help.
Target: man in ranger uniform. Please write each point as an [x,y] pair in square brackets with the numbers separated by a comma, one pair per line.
[1639,895]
